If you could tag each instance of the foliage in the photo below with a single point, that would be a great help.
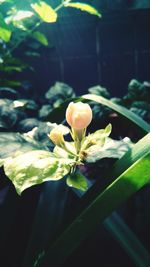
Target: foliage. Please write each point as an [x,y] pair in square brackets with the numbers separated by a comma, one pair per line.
[32,158]
[121,110]
[23,170]
[19,23]
[77,180]
[15,114]
[55,96]
[35,167]
[83,7]
[13,111]
[127,176]
[25,155]
[137,98]
[45,12]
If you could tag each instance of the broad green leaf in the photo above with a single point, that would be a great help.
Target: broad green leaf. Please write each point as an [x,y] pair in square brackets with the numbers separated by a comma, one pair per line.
[40,37]
[35,167]
[122,110]
[111,149]
[5,32]
[99,90]
[14,143]
[128,175]
[84,7]
[69,152]
[63,90]
[45,12]
[77,180]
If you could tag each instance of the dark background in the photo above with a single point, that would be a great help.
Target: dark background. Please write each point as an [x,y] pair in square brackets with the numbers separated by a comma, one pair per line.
[85,51]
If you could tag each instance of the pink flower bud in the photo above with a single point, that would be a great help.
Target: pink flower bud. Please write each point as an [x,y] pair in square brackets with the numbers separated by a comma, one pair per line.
[78,115]
[57,135]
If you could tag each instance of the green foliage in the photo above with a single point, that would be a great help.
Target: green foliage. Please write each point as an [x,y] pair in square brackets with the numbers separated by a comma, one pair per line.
[111,149]
[61,92]
[97,138]
[12,111]
[40,37]
[97,146]
[18,23]
[35,167]
[127,176]
[120,109]
[99,90]
[137,99]
[83,7]
[5,30]
[77,180]
[45,11]
[56,96]
[12,144]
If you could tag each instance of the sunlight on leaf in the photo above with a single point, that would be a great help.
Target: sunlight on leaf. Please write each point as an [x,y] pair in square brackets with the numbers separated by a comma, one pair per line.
[22,14]
[111,149]
[5,32]
[46,12]
[84,7]
[98,138]
[35,167]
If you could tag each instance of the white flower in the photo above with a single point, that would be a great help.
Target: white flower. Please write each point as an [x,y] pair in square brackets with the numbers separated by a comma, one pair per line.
[78,115]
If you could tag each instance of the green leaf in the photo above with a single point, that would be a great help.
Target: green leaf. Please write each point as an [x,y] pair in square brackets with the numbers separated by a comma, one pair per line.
[98,138]
[35,167]
[5,32]
[122,110]
[111,149]
[45,11]
[84,7]
[9,83]
[77,180]
[128,175]
[60,89]
[14,143]
[99,90]
[12,68]
[40,37]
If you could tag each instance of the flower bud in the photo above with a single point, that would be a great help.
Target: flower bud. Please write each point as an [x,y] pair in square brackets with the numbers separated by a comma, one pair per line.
[56,135]
[78,115]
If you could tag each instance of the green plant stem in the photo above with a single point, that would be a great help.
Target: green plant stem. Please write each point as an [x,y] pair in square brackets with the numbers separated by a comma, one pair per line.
[24,38]
[129,174]
[32,29]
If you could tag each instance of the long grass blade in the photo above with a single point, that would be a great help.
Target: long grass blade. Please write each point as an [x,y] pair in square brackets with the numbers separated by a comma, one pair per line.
[129,174]
[120,109]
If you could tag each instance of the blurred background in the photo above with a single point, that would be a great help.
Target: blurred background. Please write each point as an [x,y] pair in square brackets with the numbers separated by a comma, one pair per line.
[85,51]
